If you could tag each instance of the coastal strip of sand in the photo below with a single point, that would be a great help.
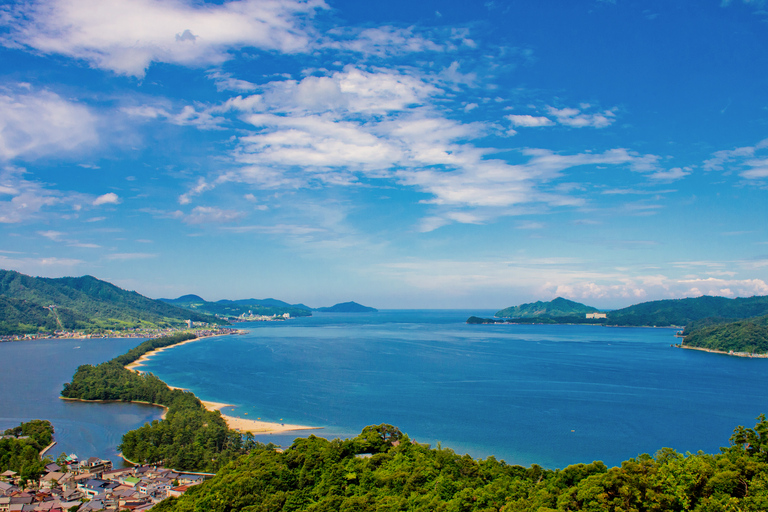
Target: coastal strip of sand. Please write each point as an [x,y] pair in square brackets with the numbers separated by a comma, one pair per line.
[713,351]
[253,426]
[233,422]
[134,366]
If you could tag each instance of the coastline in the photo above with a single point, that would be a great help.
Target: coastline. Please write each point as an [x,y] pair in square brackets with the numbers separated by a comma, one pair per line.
[162,416]
[714,351]
[233,422]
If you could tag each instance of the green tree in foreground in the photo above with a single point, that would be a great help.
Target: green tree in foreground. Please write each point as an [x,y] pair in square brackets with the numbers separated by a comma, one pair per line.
[315,474]
[20,448]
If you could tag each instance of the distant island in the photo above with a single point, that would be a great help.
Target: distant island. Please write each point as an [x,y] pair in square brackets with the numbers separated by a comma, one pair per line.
[558,307]
[348,307]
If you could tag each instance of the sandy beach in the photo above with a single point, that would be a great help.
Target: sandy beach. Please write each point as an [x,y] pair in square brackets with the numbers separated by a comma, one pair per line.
[253,426]
[233,422]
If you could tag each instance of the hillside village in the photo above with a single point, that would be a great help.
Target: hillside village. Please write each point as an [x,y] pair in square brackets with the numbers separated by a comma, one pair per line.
[90,485]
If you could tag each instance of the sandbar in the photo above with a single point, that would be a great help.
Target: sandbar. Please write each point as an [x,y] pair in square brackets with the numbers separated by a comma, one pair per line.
[253,426]
[233,422]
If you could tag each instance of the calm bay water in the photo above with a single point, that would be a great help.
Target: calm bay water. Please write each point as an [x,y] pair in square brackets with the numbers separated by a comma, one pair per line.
[32,374]
[550,395]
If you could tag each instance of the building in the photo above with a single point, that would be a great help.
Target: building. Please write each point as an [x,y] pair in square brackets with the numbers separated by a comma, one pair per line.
[597,315]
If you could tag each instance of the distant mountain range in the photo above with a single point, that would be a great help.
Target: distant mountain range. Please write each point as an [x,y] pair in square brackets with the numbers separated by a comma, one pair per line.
[37,304]
[236,308]
[661,313]
[267,307]
[715,323]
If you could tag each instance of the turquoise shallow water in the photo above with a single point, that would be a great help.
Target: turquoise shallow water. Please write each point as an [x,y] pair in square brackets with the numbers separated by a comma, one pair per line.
[551,395]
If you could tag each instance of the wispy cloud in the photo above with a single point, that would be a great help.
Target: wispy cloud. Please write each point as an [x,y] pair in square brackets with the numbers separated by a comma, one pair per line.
[123,256]
[34,123]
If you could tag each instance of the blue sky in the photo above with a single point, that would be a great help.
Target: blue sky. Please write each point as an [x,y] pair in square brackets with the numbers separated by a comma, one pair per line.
[432,154]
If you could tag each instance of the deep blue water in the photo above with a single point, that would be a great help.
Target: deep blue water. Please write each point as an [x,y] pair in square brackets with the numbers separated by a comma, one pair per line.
[32,374]
[551,395]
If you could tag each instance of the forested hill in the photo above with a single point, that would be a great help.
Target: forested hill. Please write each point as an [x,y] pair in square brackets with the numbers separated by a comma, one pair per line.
[236,308]
[558,307]
[748,336]
[661,313]
[383,470]
[34,304]
[684,311]
[348,307]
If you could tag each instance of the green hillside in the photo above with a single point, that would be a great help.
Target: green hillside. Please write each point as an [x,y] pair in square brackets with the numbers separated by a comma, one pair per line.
[36,304]
[558,307]
[684,311]
[235,308]
[747,336]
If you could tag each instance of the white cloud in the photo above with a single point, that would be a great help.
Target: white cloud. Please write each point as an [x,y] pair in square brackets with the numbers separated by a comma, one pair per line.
[28,197]
[575,118]
[126,36]
[381,41]
[41,123]
[673,174]
[212,215]
[225,82]
[529,121]
[108,198]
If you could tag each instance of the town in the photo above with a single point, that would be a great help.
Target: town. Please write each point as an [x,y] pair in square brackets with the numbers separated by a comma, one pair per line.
[92,484]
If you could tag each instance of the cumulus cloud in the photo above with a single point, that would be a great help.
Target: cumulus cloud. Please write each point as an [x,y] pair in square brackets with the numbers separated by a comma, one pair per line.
[126,36]
[529,121]
[108,198]
[37,123]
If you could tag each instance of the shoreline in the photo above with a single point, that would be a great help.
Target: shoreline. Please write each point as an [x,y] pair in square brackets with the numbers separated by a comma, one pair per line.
[162,416]
[722,352]
[233,422]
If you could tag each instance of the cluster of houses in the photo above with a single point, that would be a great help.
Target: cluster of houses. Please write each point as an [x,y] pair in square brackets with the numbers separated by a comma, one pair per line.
[127,333]
[93,485]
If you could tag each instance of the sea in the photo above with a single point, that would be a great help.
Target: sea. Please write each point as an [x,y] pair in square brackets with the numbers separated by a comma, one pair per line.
[552,395]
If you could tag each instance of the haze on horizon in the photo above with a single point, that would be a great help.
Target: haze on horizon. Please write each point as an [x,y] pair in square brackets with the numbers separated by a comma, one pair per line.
[401,154]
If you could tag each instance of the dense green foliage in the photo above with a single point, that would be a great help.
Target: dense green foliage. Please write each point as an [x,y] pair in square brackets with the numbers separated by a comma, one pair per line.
[22,455]
[189,438]
[81,303]
[750,336]
[558,307]
[233,309]
[573,319]
[661,313]
[319,475]
[684,311]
